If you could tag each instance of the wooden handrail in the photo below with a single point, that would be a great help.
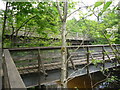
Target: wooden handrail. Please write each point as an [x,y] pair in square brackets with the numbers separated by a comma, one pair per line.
[11,75]
[57,47]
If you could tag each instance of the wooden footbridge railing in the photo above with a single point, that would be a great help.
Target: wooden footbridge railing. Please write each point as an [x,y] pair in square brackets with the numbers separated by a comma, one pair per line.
[29,60]
[42,59]
[12,79]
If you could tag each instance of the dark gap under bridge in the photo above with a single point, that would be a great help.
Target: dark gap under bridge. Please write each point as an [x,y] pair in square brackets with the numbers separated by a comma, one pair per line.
[25,67]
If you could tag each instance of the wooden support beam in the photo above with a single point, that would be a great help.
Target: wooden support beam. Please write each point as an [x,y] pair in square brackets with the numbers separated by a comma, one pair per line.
[103,57]
[40,63]
[106,53]
[88,61]
[40,66]
[68,56]
[117,49]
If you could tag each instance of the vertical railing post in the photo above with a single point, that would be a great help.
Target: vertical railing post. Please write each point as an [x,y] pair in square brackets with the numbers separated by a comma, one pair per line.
[88,58]
[103,57]
[69,57]
[117,59]
[117,49]
[67,61]
[39,68]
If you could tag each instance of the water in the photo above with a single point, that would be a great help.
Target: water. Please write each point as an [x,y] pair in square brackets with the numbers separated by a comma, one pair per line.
[110,80]
[85,81]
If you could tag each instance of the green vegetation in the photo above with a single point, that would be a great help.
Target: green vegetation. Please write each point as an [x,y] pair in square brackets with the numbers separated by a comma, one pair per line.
[37,24]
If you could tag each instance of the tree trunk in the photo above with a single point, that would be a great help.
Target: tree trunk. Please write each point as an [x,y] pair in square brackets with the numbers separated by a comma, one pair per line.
[63,17]
[64,56]
[4,25]
[2,45]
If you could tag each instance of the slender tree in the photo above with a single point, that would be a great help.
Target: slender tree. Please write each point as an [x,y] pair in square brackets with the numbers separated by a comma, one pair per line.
[1,51]
[63,18]
[4,25]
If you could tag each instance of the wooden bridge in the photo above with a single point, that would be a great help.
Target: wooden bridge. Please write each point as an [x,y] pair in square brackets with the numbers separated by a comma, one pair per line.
[25,67]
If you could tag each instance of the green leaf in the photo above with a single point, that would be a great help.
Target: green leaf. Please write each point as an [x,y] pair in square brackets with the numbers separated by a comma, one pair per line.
[107,5]
[97,4]
[100,14]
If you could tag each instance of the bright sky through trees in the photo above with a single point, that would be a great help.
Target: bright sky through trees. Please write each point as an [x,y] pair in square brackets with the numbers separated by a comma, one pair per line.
[81,3]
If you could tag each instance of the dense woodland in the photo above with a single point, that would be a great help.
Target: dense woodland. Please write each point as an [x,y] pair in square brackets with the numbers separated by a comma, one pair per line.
[29,24]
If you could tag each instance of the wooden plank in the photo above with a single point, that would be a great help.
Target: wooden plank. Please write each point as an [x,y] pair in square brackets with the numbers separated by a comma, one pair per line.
[24,58]
[57,47]
[78,58]
[34,58]
[26,67]
[26,63]
[69,57]
[15,80]
[52,57]
[58,65]
[73,58]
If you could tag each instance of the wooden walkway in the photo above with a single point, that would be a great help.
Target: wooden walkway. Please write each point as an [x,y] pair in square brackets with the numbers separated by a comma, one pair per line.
[52,66]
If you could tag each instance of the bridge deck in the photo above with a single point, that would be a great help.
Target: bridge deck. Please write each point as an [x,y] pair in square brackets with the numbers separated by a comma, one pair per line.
[52,66]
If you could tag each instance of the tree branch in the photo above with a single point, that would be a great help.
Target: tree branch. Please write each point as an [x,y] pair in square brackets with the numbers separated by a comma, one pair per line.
[23,25]
[65,10]
[58,8]
[78,9]
[101,81]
